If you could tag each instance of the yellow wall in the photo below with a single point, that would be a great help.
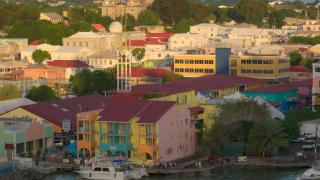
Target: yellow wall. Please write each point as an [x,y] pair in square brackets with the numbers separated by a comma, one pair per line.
[20,112]
[183,64]
[274,67]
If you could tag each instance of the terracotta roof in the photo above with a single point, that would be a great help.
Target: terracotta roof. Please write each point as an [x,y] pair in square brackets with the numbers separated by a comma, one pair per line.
[140,43]
[299,69]
[98,27]
[284,87]
[195,109]
[125,110]
[67,63]
[198,84]
[148,72]
[58,110]
[163,37]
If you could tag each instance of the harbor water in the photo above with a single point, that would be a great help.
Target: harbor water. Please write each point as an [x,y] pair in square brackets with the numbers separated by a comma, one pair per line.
[221,173]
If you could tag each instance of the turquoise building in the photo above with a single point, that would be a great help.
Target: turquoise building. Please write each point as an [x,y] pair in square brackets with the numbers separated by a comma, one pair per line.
[282,99]
[116,139]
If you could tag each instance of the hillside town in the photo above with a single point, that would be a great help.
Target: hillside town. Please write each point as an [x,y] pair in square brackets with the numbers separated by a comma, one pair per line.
[158,91]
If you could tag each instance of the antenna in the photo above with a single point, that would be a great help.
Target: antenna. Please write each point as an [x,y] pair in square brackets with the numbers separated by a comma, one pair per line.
[124,61]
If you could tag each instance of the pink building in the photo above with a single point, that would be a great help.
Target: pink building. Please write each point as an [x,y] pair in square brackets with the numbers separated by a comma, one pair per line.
[316,84]
[298,73]
[176,135]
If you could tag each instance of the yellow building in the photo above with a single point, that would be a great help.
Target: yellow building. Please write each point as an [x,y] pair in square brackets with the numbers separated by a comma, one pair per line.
[194,65]
[271,66]
[197,63]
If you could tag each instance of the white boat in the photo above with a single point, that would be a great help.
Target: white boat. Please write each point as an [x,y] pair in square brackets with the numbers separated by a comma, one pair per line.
[310,174]
[103,171]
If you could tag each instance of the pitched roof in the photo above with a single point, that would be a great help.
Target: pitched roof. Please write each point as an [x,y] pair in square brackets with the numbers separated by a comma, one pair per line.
[58,110]
[53,15]
[125,110]
[67,63]
[299,69]
[148,72]
[8,105]
[198,84]
[98,27]
[86,35]
[284,87]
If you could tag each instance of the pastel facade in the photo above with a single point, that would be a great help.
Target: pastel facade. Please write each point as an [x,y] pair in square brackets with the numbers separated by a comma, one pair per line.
[141,135]
[51,74]
[10,48]
[24,136]
[316,84]
[299,73]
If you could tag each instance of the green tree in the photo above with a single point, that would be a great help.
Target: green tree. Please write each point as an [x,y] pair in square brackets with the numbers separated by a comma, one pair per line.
[306,62]
[9,91]
[182,26]
[170,76]
[41,93]
[253,11]
[171,12]
[295,58]
[87,82]
[276,18]
[148,18]
[266,135]
[138,53]
[39,56]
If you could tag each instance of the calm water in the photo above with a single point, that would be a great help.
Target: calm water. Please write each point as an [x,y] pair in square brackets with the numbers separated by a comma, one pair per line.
[223,173]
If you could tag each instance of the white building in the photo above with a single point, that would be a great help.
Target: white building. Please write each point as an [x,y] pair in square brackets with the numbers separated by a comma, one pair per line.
[310,127]
[57,52]
[208,30]
[102,60]
[184,40]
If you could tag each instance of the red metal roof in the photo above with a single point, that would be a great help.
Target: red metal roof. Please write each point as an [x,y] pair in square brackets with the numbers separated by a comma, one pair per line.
[125,110]
[67,63]
[299,69]
[35,42]
[98,27]
[148,72]
[139,43]
[284,87]
[58,110]
[198,84]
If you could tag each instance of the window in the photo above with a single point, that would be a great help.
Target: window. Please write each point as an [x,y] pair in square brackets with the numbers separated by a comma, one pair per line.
[105,169]
[317,69]
[97,169]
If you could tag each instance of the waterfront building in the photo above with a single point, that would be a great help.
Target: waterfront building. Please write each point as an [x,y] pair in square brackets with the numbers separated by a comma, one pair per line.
[141,134]
[198,63]
[286,96]
[21,136]
[298,73]
[316,84]
[52,17]
[261,63]
[57,112]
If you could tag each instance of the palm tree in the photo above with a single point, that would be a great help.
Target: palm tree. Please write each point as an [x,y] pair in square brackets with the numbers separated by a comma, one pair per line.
[265,135]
